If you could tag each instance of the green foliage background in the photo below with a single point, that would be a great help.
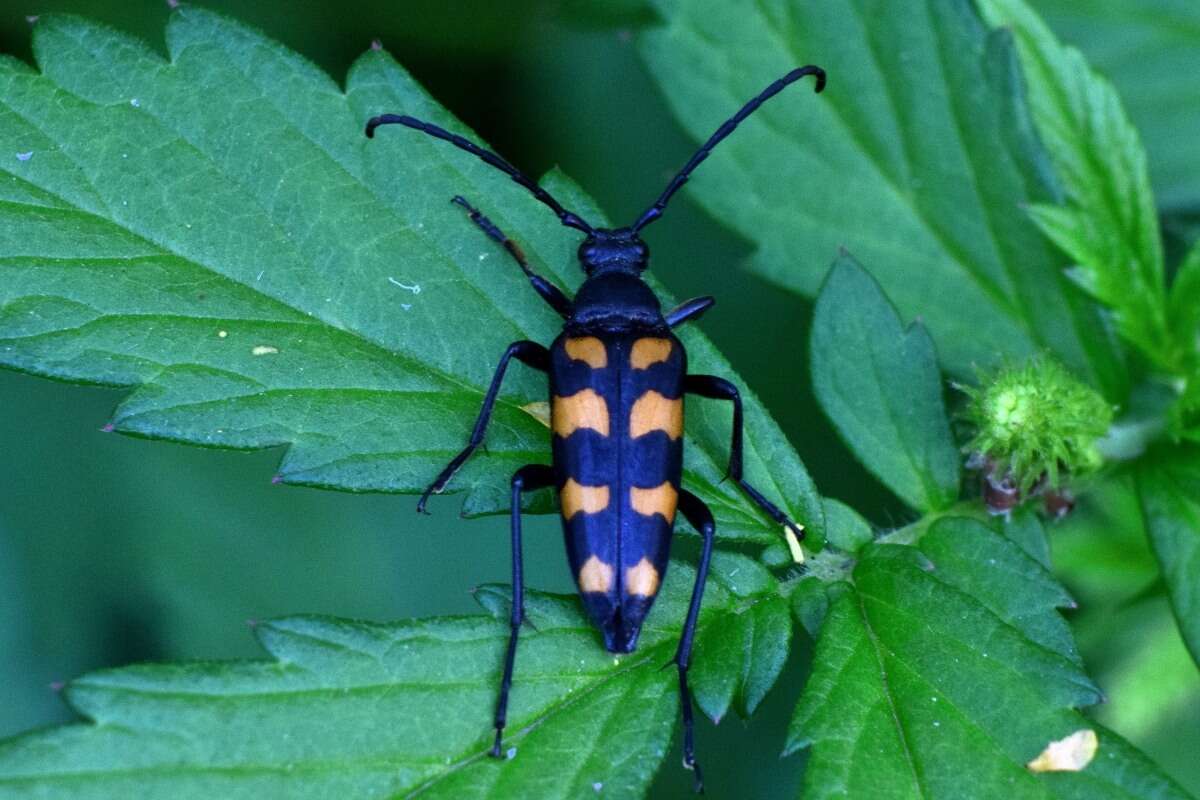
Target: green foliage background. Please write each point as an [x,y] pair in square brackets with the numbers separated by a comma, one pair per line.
[115,550]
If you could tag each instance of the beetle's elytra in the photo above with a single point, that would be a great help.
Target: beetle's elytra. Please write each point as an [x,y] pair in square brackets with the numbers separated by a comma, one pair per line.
[618,378]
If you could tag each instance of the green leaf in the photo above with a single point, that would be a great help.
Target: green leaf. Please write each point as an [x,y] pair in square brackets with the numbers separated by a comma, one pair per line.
[215,230]
[1109,225]
[365,710]
[1148,48]
[916,158]
[845,528]
[879,383]
[1169,487]
[743,655]
[1184,305]
[946,666]
[1025,529]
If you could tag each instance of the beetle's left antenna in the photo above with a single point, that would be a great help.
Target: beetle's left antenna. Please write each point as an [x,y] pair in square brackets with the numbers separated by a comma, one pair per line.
[567,218]
[655,211]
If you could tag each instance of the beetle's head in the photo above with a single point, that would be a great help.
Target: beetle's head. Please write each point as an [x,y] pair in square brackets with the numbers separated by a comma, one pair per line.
[613,250]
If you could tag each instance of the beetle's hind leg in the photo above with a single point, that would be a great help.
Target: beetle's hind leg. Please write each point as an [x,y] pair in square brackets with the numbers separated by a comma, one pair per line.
[526,352]
[720,389]
[699,517]
[526,479]
[549,292]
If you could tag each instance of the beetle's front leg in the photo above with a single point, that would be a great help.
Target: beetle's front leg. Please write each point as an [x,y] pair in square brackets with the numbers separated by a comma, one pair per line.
[549,292]
[526,352]
[720,389]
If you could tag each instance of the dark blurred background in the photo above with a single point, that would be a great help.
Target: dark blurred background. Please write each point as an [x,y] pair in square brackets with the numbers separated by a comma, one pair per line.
[115,550]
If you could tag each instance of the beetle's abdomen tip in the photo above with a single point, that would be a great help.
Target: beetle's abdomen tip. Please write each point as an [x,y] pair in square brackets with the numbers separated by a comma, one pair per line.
[618,639]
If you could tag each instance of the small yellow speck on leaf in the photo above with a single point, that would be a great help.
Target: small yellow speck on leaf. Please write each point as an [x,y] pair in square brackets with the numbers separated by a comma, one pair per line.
[1069,754]
[222,334]
[539,410]
[264,350]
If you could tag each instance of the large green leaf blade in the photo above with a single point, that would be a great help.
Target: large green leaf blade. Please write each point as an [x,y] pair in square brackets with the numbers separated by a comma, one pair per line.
[937,676]
[1170,494]
[916,158]
[215,230]
[371,710]
[880,385]
[1109,225]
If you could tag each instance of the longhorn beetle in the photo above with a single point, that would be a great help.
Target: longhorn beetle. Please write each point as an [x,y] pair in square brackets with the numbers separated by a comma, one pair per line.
[617,380]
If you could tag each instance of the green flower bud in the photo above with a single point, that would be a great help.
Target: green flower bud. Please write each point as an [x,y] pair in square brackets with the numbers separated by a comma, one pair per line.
[1035,422]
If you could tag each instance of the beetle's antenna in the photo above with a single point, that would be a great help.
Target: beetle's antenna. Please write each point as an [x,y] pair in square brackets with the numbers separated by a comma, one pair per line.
[655,211]
[566,217]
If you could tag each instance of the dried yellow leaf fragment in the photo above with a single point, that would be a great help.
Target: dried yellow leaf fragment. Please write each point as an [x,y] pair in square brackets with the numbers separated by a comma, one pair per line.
[1069,754]
[539,410]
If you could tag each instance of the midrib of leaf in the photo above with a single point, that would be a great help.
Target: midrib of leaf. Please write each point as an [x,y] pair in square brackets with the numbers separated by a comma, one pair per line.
[893,710]
[930,487]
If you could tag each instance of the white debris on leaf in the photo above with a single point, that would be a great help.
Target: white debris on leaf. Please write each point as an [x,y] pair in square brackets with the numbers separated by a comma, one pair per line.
[25,156]
[415,288]
[264,350]
[1069,754]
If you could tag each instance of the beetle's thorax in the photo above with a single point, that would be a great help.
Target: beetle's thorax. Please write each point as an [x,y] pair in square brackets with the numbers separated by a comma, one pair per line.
[615,301]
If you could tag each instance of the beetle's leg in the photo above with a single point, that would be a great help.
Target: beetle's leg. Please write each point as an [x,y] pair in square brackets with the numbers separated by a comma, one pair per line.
[689,310]
[527,352]
[720,389]
[549,292]
[526,479]
[697,514]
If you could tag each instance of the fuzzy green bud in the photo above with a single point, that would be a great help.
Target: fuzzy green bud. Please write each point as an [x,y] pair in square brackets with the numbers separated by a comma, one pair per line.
[1036,421]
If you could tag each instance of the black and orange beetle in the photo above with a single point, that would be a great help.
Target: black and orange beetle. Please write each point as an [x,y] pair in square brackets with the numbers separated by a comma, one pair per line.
[618,377]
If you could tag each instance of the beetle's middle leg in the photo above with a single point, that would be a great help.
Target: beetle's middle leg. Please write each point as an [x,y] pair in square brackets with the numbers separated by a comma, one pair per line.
[549,292]
[527,479]
[526,352]
[720,389]
[699,517]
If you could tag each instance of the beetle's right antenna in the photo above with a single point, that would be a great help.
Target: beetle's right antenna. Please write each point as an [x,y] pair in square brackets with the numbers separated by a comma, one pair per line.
[655,211]
[567,218]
